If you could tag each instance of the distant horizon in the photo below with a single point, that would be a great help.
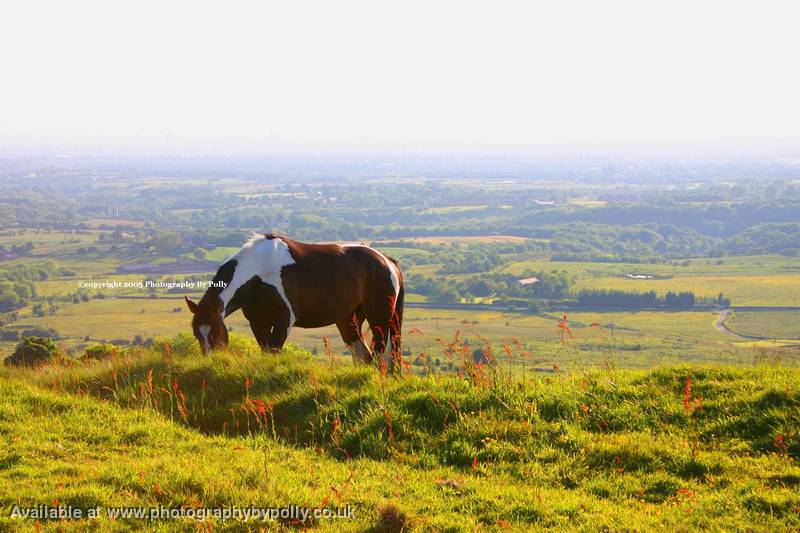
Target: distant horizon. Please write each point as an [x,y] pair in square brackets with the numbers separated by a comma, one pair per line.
[700,154]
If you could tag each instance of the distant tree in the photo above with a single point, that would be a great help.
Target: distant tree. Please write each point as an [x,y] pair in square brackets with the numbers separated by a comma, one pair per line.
[166,242]
[444,295]
[686,300]
[8,298]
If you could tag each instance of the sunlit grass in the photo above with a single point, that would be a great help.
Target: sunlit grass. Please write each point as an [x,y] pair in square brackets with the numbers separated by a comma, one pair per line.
[768,325]
[600,449]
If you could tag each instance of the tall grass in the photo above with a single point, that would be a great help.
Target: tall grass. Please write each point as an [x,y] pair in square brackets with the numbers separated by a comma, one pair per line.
[356,411]
[670,437]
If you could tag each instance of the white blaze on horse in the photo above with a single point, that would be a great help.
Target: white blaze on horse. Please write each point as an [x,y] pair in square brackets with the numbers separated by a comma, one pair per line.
[279,283]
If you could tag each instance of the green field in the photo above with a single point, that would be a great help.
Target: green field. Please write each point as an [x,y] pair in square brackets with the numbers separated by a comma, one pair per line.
[221,253]
[641,339]
[754,280]
[667,325]
[603,450]
[456,209]
[47,241]
[768,325]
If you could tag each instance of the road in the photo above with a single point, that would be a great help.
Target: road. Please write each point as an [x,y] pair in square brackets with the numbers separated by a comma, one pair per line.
[720,322]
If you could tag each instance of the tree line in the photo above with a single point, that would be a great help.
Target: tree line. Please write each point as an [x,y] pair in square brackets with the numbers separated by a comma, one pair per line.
[641,300]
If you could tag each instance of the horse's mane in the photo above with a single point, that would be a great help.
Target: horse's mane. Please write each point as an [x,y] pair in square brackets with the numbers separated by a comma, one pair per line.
[256,237]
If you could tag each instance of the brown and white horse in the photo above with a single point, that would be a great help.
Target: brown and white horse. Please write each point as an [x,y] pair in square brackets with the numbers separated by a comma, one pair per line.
[279,283]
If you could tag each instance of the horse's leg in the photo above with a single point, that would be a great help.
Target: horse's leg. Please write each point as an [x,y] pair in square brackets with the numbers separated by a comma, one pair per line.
[395,330]
[385,317]
[350,331]
[261,331]
[379,318]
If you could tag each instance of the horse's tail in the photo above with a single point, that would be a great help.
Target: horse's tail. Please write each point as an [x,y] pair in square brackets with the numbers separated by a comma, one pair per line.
[396,322]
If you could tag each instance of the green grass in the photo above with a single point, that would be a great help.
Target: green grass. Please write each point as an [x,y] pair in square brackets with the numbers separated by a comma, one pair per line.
[584,451]
[768,325]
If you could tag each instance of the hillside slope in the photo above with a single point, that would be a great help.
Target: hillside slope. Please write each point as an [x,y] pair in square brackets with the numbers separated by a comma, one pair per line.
[588,451]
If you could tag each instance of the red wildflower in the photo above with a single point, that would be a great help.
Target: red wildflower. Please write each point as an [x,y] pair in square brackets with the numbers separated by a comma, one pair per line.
[687,394]
[259,406]
[689,404]
[564,328]
[780,443]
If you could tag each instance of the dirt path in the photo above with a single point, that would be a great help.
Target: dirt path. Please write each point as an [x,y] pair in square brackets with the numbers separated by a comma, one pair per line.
[720,323]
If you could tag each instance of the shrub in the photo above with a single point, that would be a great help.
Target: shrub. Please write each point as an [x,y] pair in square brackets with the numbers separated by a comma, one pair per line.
[100,351]
[32,351]
[183,345]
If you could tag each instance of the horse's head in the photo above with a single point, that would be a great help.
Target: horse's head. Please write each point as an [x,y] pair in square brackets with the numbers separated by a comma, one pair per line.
[207,324]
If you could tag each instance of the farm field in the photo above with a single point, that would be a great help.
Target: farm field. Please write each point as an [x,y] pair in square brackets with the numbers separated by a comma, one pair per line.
[221,253]
[447,239]
[642,339]
[666,324]
[755,290]
[767,325]
[114,222]
[121,318]
[751,281]
[48,238]
[457,209]
[115,318]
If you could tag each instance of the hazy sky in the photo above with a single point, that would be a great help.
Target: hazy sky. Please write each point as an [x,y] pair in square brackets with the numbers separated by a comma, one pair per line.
[421,76]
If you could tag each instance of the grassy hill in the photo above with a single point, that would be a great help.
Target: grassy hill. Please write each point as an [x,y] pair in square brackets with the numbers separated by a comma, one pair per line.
[673,448]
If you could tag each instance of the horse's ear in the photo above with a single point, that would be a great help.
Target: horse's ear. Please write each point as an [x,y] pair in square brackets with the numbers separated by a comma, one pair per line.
[191,304]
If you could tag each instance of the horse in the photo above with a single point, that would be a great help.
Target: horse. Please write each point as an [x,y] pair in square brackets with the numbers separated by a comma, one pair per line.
[280,283]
